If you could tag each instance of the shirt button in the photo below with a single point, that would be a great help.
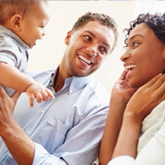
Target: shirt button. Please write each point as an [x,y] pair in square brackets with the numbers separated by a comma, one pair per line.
[28,132]
[42,111]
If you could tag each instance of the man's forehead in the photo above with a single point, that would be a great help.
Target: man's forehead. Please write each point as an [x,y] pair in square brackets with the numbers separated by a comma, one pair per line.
[99,31]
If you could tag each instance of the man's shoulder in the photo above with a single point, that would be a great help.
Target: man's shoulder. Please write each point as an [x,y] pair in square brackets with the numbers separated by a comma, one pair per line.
[98,92]
[40,74]
[95,85]
[97,100]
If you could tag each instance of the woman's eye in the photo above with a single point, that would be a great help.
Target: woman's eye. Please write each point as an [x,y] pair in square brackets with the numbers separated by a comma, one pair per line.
[135,44]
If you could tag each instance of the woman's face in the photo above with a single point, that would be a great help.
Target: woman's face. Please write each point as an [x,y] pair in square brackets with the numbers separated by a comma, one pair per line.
[145,56]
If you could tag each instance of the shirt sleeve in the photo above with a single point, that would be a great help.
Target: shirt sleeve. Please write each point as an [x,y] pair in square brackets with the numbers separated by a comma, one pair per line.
[9,52]
[152,154]
[43,157]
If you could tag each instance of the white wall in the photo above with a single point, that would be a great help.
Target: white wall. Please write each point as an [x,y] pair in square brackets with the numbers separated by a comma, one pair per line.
[151,6]
[48,52]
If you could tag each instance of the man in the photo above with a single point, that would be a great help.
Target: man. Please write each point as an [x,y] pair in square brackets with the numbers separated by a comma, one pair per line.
[68,129]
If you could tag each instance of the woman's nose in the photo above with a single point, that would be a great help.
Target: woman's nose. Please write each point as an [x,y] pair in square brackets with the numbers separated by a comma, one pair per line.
[125,56]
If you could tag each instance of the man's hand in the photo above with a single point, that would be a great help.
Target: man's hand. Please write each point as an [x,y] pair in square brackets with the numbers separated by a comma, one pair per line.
[7,105]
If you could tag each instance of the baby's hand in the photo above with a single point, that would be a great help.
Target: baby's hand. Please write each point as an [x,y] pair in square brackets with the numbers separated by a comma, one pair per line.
[38,92]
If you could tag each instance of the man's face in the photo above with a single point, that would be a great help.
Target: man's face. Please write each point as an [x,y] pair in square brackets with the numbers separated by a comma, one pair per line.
[87,48]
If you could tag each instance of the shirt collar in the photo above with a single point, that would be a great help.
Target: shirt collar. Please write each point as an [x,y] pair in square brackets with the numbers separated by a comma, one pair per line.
[7,32]
[79,83]
[75,83]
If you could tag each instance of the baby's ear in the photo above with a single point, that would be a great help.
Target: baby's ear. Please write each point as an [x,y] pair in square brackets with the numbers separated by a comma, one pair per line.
[67,38]
[16,22]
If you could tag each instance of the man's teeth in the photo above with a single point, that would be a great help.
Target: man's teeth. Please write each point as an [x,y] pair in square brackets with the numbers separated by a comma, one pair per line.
[129,67]
[84,59]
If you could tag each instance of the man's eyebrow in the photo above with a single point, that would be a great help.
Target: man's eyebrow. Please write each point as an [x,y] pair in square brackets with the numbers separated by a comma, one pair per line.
[90,33]
[136,35]
[95,37]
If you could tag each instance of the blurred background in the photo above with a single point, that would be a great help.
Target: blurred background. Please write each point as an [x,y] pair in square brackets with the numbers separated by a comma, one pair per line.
[48,52]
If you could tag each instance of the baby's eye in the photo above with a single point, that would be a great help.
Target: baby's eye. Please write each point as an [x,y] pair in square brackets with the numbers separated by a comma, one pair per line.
[42,27]
[103,50]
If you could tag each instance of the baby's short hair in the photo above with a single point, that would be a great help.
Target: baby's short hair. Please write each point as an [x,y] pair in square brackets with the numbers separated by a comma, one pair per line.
[8,8]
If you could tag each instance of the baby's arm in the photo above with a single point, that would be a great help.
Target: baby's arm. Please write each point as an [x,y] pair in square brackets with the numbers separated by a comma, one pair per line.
[11,77]
[39,92]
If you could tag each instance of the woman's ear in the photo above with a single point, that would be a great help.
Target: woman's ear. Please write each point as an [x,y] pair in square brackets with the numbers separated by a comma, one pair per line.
[16,22]
[67,38]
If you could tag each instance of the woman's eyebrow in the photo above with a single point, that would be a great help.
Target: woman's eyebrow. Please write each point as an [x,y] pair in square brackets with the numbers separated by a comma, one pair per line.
[136,36]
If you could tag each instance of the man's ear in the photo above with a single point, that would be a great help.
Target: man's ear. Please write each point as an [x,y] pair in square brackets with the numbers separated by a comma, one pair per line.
[67,38]
[16,21]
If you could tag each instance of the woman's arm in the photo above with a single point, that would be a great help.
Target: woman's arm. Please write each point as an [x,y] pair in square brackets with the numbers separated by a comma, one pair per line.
[152,153]
[139,106]
[119,97]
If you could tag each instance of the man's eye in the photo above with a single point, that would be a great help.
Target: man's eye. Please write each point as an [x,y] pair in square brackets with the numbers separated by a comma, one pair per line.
[87,38]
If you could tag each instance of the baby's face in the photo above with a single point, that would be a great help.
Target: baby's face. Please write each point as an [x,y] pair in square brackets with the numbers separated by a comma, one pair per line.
[33,24]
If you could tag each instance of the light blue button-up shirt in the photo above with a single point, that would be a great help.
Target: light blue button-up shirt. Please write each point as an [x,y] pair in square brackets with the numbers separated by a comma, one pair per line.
[66,130]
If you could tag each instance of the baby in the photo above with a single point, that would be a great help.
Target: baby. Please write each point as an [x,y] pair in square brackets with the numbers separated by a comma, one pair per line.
[22,23]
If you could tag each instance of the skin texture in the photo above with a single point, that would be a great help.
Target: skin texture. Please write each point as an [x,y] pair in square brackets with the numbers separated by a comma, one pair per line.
[131,99]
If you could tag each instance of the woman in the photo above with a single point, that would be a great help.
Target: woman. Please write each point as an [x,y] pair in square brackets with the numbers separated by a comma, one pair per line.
[135,126]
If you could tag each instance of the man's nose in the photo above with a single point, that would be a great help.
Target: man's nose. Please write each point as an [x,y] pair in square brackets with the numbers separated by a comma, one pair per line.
[92,50]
